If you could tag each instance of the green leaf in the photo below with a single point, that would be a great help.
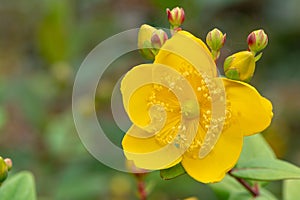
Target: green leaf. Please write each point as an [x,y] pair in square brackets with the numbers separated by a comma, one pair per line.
[267,170]
[19,187]
[226,187]
[3,118]
[229,188]
[172,172]
[241,195]
[258,57]
[54,45]
[255,147]
[291,189]
[264,195]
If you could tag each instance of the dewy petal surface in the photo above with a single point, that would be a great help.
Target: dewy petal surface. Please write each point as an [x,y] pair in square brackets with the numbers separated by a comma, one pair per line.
[219,161]
[253,112]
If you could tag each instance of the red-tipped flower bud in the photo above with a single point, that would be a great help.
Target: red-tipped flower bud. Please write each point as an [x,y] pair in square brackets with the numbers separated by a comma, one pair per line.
[176,16]
[144,41]
[8,163]
[215,39]
[159,37]
[257,40]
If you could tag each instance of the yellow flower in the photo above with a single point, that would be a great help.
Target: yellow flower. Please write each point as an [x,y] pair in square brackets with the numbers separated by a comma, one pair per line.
[183,112]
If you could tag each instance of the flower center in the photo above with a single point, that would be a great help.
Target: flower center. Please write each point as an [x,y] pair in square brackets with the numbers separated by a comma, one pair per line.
[190,127]
[190,109]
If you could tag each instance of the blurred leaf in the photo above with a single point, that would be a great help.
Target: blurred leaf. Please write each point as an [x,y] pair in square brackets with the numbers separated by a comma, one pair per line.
[78,182]
[255,147]
[167,4]
[2,117]
[30,95]
[264,195]
[19,187]
[241,195]
[229,188]
[291,190]
[54,30]
[172,172]
[267,170]
[61,138]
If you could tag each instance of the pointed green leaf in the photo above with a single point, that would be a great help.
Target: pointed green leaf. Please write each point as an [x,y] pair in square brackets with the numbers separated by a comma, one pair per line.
[172,172]
[19,187]
[241,195]
[226,187]
[264,195]
[291,189]
[267,170]
[255,147]
[229,188]
[258,57]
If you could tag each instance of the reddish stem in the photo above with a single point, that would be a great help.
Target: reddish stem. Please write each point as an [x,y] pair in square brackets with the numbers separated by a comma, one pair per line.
[253,190]
[141,186]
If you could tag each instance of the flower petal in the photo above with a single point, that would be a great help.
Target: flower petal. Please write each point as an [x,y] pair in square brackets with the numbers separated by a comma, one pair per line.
[199,41]
[185,49]
[253,112]
[137,87]
[220,160]
[147,153]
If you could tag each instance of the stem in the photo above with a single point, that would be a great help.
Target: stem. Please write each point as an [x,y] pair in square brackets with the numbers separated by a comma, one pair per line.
[215,55]
[253,190]
[141,186]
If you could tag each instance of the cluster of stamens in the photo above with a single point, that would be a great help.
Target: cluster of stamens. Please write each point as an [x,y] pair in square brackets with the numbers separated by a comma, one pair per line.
[196,129]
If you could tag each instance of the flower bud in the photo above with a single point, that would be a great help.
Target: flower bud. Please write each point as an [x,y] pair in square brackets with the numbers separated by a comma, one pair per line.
[8,163]
[176,16]
[257,40]
[240,66]
[3,170]
[215,39]
[144,41]
[159,37]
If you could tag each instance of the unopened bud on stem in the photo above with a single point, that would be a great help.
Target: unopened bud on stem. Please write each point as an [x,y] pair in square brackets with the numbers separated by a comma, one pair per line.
[159,37]
[3,170]
[144,41]
[240,66]
[257,41]
[8,163]
[215,40]
[176,16]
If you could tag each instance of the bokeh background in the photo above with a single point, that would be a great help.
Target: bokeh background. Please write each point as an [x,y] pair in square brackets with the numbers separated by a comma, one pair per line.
[42,44]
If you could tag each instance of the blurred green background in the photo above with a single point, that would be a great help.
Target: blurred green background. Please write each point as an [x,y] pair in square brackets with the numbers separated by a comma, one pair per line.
[42,44]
